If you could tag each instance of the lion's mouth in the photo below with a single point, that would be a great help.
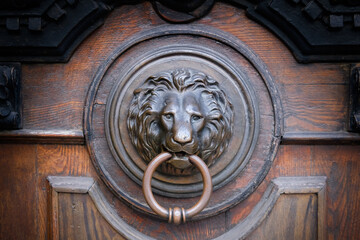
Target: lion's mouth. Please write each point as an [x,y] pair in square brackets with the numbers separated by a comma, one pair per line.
[181,156]
[180,160]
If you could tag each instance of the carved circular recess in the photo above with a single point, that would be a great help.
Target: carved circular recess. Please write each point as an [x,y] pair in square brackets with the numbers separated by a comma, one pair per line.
[188,60]
[183,90]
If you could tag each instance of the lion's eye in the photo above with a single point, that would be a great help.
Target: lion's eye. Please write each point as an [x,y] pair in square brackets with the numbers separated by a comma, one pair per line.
[168,116]
[195,117]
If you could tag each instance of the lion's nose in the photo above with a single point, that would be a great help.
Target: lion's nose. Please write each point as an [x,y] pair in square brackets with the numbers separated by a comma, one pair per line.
[183,135]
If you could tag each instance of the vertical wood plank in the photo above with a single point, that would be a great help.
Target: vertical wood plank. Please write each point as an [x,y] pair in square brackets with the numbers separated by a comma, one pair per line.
[294,216]
[63,160]
[19,203]
[342,166]
[53,213]
[79,219]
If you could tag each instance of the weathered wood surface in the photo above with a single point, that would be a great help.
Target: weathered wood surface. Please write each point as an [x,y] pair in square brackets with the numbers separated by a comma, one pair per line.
[293,217]
[314,98]
[42,136]
[340,164]
[79,219]
[320,138]
[297,202]
[287,202]
[54,93]
[19,206]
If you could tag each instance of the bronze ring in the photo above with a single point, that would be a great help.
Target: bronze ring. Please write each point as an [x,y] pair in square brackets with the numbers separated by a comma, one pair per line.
[176,215]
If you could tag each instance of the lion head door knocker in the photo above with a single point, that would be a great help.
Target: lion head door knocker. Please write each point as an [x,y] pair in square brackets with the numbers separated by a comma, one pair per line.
[180,119]
[174,113]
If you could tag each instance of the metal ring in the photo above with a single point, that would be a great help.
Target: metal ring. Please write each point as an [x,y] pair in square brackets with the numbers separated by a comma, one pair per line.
[176,215]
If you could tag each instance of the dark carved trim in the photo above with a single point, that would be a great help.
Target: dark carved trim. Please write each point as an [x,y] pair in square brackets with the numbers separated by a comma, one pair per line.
[47,30]
[10,96]
[315,31]
[50,30]
[354,108]
[182,11]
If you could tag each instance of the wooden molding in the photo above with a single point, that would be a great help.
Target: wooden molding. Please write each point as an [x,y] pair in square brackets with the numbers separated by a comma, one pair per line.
[320,138]
[43,136]
[279,186]
[77,137]
[87,185]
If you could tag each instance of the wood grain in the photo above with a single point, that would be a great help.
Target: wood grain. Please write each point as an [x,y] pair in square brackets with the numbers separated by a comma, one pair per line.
[342,164]
[299,204]
[339,163]
[58,160]
[79,219]
[294,217]
[19,198]
[314,96]
[320,138]
[297,201]
[42,136]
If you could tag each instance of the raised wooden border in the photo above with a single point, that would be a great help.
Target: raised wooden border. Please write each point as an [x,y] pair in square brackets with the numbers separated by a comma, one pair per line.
[77,137]
[318,138]
[277,187]
[43,136]
[87,185]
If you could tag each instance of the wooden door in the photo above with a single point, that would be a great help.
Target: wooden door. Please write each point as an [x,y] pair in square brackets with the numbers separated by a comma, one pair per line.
[286,160]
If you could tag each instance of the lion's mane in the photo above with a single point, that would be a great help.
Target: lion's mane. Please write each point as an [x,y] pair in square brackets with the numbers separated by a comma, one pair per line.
[144,116]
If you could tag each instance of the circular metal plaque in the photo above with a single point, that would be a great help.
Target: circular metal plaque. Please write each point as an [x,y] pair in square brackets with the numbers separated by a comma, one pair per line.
[184,56]
[223,63]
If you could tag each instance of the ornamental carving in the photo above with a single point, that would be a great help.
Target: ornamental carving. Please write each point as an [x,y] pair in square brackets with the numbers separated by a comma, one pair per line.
[183,112]
[50,30]
[174,94]
[10,97]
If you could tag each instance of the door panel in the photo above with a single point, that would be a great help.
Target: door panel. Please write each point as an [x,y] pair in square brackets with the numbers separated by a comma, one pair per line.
[315,143]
